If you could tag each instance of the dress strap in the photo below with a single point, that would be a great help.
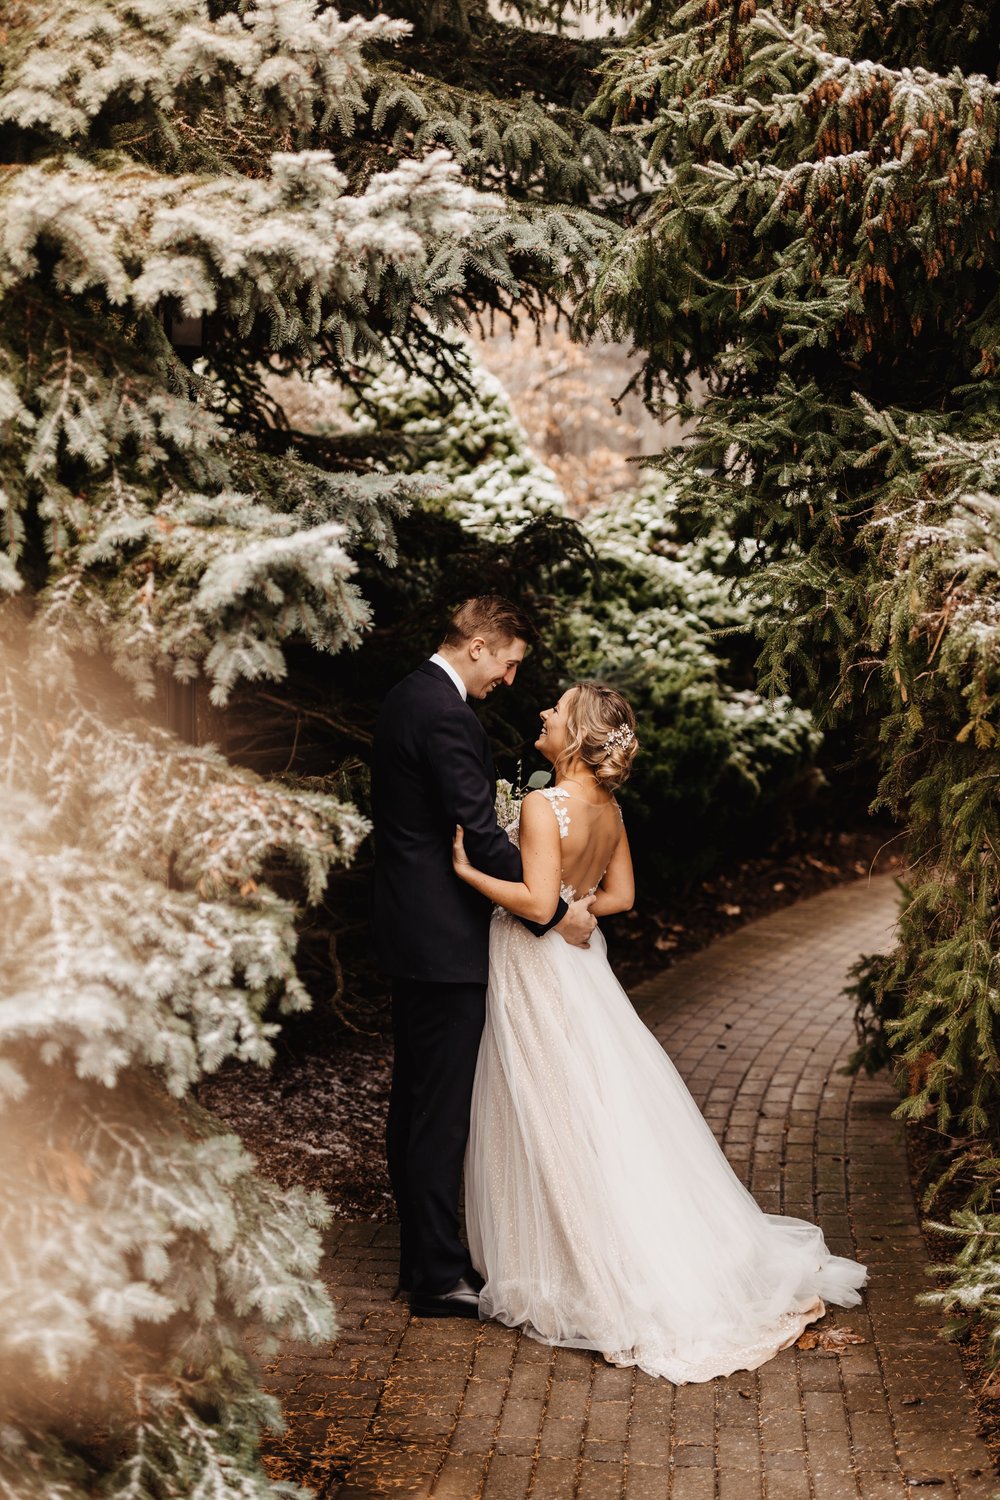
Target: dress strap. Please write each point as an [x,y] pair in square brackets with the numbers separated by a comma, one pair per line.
[556,796]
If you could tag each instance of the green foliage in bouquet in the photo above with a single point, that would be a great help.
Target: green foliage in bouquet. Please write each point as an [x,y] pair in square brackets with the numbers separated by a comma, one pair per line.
[820,247]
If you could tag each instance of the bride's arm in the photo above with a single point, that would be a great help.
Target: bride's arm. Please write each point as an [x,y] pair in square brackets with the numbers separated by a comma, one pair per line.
[537,894]
[616,891]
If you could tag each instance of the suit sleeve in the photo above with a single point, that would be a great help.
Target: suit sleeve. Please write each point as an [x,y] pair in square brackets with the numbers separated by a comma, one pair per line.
[456,764]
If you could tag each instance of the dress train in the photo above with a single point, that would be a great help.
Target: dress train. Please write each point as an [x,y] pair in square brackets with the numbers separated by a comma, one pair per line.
[599,1207]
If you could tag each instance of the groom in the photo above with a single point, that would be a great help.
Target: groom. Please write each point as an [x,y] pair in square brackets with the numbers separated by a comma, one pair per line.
[432,768]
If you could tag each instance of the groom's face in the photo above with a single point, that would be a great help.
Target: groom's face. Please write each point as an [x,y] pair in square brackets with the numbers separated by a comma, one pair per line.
[492,663]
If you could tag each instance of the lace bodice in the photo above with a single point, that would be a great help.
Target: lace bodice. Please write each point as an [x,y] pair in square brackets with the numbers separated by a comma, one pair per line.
[557,797]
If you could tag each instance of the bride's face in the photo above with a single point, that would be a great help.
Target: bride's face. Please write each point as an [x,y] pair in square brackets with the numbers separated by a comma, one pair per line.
[552,739]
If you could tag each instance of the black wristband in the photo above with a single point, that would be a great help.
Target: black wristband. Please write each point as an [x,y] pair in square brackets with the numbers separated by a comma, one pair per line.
[541,928]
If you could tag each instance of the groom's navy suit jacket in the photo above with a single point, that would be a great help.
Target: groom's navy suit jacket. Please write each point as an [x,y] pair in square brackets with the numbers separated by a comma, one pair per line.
[432,768]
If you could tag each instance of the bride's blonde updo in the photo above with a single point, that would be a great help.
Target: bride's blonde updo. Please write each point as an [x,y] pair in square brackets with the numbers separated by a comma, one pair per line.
[600,733]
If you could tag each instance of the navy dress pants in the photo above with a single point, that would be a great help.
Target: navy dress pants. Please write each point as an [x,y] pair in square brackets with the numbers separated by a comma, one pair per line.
[436,1034]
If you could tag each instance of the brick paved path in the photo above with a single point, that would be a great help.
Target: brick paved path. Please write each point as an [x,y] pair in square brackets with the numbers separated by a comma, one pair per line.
[758,1026]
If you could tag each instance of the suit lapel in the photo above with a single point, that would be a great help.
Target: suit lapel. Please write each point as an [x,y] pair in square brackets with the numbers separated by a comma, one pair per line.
[440,675]
[431,669]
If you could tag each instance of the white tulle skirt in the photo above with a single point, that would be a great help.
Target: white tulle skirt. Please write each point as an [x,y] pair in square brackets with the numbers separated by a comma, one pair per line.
[599,1207]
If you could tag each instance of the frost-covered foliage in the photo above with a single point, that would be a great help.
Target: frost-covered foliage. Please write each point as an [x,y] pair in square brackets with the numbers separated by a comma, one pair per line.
[182,161]
[651,618]
[971,1283]
[822,252]
[661,621]
[638,535]
[467,442]
[179,170]
[183,522]
[63,68]
[141,947]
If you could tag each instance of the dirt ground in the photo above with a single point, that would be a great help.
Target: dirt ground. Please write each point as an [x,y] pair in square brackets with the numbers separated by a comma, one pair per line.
[925,1146]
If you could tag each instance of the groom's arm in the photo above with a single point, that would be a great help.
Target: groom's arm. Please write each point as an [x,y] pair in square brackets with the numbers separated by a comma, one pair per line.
[455,757]
[456,764]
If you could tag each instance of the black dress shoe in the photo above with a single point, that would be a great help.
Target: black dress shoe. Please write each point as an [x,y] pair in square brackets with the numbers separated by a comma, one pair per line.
[462,1301]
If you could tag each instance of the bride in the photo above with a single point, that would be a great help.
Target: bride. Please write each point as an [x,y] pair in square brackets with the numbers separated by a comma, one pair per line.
[600,1210]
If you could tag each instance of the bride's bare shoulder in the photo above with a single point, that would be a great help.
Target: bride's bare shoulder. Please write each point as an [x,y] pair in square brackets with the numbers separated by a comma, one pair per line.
[541,802]
[545,807]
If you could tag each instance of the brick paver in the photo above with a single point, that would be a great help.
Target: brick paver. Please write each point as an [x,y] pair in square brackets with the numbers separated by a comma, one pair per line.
[759,1026]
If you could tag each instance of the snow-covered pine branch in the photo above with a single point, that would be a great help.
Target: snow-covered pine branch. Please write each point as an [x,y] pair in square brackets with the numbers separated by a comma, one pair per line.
[653,622]
[135,1245]
[141,948]
[180,170]
[63,68]
[822,253]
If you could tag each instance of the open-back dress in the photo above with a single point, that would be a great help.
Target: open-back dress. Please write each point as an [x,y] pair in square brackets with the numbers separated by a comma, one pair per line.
[599,1207]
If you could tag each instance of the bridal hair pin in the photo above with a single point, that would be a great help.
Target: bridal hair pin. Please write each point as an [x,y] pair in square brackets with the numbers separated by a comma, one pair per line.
[622,735]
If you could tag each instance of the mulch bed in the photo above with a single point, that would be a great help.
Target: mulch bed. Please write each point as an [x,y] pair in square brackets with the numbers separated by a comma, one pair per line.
[927,1151]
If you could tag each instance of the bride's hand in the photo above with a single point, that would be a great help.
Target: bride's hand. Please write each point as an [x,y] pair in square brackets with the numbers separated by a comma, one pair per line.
[459,859]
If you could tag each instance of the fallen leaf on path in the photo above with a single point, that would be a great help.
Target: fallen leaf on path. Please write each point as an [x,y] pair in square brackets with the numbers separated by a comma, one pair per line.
[829,1338]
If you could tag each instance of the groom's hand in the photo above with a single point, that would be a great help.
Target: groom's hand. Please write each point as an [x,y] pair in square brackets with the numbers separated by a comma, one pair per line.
[577,925]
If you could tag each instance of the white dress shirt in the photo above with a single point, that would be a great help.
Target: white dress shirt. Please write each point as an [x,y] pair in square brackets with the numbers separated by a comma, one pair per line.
[446,666]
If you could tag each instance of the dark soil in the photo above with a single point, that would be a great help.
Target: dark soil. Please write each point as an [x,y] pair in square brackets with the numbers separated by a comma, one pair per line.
[317,1117]
[928,1151]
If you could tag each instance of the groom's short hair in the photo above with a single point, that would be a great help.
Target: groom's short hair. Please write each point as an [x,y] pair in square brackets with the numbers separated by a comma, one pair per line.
[491,616]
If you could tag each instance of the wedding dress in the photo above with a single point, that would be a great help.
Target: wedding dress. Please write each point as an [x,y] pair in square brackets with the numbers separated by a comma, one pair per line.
[599,1207]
